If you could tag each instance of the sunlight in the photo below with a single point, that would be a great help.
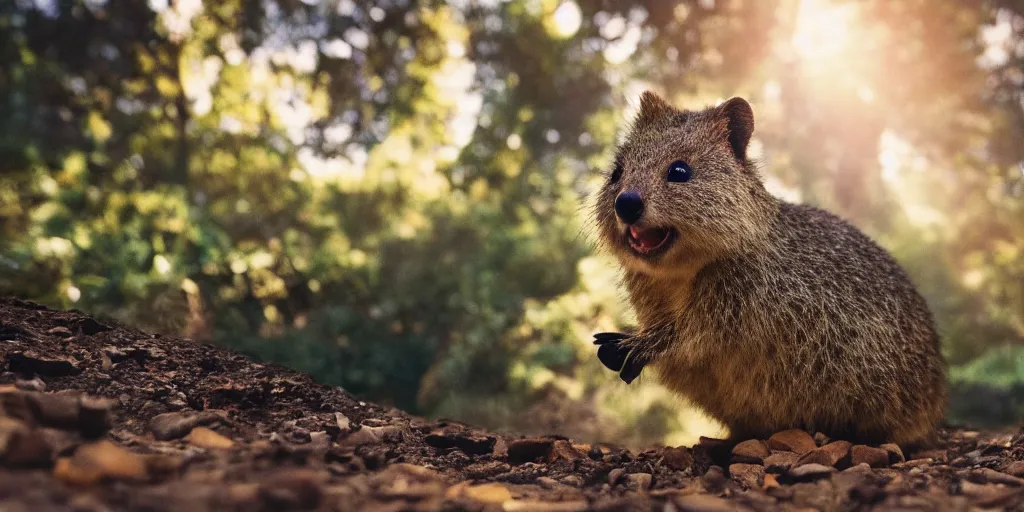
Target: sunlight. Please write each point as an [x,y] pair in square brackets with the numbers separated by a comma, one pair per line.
[822,29]
[998,40]
[566,20]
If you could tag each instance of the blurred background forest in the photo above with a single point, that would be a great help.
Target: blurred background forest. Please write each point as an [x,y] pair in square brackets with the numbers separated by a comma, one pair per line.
[391,195]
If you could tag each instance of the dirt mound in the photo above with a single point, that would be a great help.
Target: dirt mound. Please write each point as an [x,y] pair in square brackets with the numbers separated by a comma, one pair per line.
[98,417]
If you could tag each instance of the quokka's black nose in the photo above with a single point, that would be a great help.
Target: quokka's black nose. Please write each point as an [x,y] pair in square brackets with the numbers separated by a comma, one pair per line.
[629,206]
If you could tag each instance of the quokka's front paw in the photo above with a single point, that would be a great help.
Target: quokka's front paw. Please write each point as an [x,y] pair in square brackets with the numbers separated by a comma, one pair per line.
[618,354]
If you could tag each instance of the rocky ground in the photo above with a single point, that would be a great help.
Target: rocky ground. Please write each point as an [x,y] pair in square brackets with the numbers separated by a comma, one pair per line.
[96,417]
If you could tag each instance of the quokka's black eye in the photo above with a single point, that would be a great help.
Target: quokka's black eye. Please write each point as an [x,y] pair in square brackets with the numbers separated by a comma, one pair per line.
[679,172]
[616,173]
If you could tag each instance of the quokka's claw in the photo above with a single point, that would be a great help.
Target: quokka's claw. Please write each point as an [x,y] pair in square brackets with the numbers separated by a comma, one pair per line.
[613,356]
[631,369]
[609,337]
[618,358]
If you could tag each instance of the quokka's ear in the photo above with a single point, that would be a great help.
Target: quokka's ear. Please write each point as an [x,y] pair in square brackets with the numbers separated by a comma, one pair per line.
[652,107]
[740,118]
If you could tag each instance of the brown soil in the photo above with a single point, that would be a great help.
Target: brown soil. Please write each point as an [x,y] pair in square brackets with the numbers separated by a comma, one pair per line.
[97,417]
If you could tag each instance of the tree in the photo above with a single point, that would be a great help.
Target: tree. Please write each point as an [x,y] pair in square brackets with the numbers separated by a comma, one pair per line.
[391,195]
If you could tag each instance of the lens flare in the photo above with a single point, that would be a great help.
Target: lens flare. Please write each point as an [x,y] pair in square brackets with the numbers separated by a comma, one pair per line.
[822,29]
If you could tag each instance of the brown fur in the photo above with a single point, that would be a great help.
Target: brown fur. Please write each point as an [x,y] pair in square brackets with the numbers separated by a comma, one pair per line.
[767,315]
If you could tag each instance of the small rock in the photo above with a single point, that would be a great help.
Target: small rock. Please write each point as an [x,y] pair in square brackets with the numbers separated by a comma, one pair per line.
[582,447]
[986,493]
[406,491]
[173,425]
[988,461]
[94,415]
[913,463]
[780,462]
[247,493]
[1004,499]
[614,476]
[1016,468]
[962,462]
[809,472]
[704,503]
[99,461]
[563,450]
[770,481]
[938,455]
[164,464]
[372,435]
[293,490]
[749,475]
[33,384]
[833,454]
[488,493]
[997,444]
[61,442]
[456,491]
[149,353]
[816,456]
[89,327]
[295,434]
[51,410]
[867,493]
[342,421]
[847,480]
[794,440]
[176,404]
[14,404]
[33,363]
[547,482]
[544,506]
[21,446]
[859,468]
[717,449]
[874,457]
[529,450]
[500,449]
[320,441]
[466,441]
[639,482]
[916,503]
[210,439]
[895,453]
[60,331]
[995,477]
[752,451]
[757,500]
[114,354]
[678,458]
[573,480]
[413,470]
[714,479]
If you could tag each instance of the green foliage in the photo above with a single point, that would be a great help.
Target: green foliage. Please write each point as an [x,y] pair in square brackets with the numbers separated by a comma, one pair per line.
[1001,367]
[989,391]
[392,195]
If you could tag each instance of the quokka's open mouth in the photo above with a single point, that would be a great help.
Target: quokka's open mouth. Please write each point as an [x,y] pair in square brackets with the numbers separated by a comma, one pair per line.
[649,241]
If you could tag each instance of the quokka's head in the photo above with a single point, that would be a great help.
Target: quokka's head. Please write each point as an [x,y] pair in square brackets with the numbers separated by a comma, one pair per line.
[681,188]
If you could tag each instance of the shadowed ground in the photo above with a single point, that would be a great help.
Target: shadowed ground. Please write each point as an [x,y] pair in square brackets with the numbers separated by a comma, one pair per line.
[97,417]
